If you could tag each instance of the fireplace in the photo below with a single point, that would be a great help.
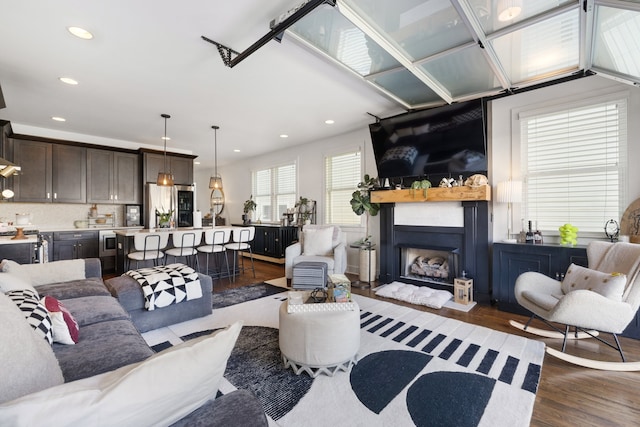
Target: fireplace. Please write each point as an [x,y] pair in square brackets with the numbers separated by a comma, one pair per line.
[464,246]
[435,265]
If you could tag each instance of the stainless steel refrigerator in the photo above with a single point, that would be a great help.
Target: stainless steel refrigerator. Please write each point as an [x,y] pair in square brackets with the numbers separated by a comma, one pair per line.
[178,200]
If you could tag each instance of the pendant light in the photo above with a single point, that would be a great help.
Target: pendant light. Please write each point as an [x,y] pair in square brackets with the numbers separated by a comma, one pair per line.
[215,182]
[165,178]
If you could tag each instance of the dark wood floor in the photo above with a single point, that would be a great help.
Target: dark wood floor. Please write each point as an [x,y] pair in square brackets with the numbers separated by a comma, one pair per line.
[567,395]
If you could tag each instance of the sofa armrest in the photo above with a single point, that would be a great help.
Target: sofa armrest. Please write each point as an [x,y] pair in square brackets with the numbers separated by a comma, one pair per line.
[340,258]
[92,267]
[290,253]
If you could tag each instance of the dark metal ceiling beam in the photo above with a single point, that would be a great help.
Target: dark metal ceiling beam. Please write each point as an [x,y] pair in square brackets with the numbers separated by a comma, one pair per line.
[276,33]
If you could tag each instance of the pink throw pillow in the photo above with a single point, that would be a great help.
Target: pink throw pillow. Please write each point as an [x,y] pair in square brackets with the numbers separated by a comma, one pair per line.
[65,327]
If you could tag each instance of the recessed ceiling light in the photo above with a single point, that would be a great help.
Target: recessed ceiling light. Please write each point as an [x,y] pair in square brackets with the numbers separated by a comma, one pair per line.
[195,162]
[58,119]
[329,122]
[68,80]
[284,135]
[80,33]
[165,138]
[236,151]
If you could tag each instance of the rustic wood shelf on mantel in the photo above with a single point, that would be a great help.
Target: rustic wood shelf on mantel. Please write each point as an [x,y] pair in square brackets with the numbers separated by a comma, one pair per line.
[435,194]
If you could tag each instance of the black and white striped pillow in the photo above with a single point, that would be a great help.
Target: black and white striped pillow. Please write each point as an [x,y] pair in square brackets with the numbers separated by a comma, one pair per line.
[34,311]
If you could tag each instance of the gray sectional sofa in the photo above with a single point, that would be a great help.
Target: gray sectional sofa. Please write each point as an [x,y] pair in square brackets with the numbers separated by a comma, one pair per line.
[109,349]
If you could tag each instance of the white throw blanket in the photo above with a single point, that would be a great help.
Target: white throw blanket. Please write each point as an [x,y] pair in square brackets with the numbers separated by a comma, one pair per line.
[420,295]
[167,284]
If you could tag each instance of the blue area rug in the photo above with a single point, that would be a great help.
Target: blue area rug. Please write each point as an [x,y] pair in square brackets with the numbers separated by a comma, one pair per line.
[414,369]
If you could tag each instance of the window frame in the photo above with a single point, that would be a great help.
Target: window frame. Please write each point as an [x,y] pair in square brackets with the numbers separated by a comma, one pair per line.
[273,185]
[326,193]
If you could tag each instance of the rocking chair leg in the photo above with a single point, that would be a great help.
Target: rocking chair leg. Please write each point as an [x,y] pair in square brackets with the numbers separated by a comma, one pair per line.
[615,337]
[564,341]
[529,321]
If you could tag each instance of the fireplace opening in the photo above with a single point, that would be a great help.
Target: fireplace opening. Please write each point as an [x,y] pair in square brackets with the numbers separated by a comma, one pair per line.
[436,265]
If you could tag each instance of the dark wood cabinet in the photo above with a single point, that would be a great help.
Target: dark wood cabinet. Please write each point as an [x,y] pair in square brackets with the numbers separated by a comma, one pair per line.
[512,259]
[113,177]
[50,172]
[33,184]
[272,240]
[75,245]
[22,253]
[69,172]
[180,166]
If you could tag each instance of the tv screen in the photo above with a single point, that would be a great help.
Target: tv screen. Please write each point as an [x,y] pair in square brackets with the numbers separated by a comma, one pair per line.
[440,142]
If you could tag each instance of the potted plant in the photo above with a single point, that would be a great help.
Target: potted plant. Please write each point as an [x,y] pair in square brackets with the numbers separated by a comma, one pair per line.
[164,218]
[304,209]
[361,204]
[249,206]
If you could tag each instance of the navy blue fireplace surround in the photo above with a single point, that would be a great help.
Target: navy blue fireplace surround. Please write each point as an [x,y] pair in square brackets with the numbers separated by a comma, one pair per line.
[470,241]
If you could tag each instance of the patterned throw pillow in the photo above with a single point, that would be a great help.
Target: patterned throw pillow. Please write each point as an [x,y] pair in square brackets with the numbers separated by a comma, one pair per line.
[610,285]
[35,313]
[65,327]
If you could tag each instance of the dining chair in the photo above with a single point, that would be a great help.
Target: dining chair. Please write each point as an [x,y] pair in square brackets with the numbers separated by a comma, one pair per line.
[215,239]
[148,246]
[241,242]
[184,245]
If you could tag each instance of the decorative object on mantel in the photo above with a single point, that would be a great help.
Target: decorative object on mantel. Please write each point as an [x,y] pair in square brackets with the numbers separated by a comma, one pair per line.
[165,178]
[249,206]
[423,185]
[477,180]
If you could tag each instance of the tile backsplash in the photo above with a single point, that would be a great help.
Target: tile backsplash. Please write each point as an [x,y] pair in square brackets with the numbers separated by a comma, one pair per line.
[57,215]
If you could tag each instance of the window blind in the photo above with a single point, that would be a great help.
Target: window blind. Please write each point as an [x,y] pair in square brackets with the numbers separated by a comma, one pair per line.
[274,190]
[342,175]
[574,165]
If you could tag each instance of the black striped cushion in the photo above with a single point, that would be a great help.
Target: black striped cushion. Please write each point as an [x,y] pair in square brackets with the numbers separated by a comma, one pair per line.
[34,311]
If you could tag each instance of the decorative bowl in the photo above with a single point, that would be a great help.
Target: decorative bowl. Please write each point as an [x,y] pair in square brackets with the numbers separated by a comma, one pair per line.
[101,220]
[81,223]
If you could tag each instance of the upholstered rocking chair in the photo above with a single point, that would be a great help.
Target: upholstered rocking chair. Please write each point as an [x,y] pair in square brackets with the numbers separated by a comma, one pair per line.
[602,298]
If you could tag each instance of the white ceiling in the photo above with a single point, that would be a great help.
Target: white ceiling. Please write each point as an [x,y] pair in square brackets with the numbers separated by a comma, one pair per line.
[147,58]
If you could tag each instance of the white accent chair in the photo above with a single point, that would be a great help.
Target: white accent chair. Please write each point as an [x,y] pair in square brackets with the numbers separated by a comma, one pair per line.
[184,245]
[241,242]
[606,306]
[318,243]
[215,239]
[148,246]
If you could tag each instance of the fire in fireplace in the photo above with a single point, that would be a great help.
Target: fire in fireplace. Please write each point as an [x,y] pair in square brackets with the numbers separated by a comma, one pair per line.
[430,265]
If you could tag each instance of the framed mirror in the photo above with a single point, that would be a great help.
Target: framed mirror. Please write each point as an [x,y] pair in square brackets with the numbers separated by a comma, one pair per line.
[217,202]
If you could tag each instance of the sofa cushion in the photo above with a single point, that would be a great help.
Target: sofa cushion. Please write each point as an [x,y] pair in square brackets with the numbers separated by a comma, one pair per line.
[28,363]
[64,326]
[90,310]
[52,272]
[34,311]
[158,391]
[237,408]
[610,285]
[102,347]
[74,288]
[12,282]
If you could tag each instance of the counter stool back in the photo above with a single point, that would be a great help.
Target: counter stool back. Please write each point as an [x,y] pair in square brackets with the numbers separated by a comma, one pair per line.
[215,239]
[148,246]
[242,237]
[185,243]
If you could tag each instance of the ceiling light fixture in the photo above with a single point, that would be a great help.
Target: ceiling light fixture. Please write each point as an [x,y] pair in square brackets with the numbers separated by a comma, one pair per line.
[284,135]
[7,168]
[165,178]
[81,33]
[509,9]
[236,151]
[215,182]
[329,122]
[58,119]
[68,80]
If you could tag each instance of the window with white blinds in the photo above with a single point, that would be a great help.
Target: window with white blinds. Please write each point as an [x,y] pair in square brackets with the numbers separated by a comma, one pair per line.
[574,164]
[342,175]
[274,191]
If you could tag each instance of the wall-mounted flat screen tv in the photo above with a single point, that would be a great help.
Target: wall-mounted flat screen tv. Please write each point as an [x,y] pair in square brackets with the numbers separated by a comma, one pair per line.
[434,143]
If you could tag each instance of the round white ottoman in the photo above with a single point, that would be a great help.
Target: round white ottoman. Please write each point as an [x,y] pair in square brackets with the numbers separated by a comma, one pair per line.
[319,342]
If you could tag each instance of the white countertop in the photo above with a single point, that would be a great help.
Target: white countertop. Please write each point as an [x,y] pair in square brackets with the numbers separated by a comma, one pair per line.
[131,231]
[8,240]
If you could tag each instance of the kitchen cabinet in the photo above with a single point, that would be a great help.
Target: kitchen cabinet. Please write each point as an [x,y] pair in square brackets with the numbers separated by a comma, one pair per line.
[50,172]
[181,166]
[272,240]
[512,259]
[113,177]
[75,245]
[22,253]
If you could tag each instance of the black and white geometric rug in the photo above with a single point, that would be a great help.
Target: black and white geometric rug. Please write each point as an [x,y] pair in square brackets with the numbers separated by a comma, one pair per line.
[414,369]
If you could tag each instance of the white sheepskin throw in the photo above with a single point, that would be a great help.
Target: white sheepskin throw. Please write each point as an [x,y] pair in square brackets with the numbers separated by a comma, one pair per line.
[421,295]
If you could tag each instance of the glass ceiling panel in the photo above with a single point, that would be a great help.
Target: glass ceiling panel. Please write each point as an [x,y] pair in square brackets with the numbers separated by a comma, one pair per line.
[463,72]
[494,15]
[542,49]
[617,41]
[332,33]
[406,86]
[419,28]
